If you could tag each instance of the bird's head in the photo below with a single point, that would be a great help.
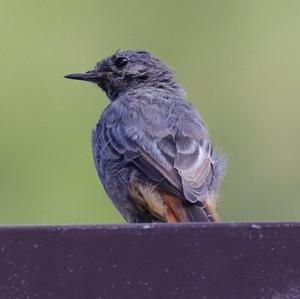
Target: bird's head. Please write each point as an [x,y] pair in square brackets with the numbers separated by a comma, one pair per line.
[129,69]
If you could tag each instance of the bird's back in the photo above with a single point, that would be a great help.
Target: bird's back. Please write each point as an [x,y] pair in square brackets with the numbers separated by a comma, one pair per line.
[151,138]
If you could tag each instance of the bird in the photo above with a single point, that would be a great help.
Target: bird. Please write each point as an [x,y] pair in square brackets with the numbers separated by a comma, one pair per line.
[151,147]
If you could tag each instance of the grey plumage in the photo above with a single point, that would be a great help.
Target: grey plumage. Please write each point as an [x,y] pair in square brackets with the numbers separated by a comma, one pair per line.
[150,133]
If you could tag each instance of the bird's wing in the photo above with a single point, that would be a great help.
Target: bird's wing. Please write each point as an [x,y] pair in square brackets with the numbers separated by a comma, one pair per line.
[177,163]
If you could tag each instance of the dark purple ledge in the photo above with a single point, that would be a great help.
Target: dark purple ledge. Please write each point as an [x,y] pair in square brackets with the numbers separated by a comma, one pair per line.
[222,260]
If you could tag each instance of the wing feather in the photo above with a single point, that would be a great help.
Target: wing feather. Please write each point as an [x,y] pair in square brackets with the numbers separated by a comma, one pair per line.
[178,164]
[177,158]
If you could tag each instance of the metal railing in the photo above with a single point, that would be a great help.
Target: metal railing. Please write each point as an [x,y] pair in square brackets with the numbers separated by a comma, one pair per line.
[219,260]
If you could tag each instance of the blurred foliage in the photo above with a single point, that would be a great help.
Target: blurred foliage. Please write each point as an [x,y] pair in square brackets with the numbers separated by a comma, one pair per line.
[238,60]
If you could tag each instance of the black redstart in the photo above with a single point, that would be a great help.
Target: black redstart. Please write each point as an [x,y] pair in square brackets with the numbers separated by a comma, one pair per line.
[151,148]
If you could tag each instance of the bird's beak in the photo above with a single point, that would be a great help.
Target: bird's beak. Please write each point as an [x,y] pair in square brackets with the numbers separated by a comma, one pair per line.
[91,76]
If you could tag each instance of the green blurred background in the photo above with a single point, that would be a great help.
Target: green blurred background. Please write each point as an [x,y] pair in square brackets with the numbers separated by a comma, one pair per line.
[238,60]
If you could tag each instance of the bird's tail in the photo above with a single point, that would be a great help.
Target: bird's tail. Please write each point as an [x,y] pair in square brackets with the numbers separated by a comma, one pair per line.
[156,205]
[177,211]
[196,212]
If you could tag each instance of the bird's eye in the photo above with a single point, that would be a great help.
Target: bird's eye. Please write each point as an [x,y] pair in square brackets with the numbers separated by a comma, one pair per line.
[121,61]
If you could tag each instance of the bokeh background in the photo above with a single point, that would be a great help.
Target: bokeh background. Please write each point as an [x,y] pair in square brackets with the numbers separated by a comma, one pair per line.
[238,60]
